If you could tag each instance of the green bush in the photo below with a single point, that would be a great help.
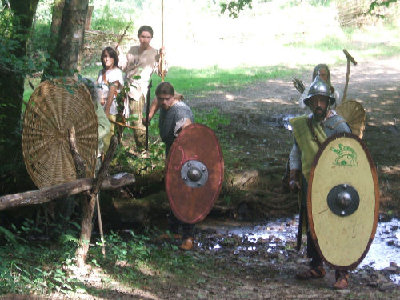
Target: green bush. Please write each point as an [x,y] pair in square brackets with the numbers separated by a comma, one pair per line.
[109,21]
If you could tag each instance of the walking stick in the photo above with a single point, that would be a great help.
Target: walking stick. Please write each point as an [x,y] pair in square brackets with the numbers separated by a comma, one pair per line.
[162,41]
[349,59]
[302,216]
[100,223]
[147,114]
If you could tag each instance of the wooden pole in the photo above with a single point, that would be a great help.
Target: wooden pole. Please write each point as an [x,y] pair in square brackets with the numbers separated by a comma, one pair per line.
[162,41]
[58,191]
[88,206]
[349,59]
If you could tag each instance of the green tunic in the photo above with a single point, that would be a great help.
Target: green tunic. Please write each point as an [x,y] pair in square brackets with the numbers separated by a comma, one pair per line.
[306,141]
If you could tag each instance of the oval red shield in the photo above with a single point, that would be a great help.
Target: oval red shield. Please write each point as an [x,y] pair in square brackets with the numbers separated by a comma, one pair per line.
[195,154]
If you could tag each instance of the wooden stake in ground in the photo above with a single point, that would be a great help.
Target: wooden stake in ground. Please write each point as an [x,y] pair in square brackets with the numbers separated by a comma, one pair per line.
[89,201]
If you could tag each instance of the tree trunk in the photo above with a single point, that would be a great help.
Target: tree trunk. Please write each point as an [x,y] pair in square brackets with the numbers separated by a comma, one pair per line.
[87,204]
[56,19]
[13,174]
[71,35]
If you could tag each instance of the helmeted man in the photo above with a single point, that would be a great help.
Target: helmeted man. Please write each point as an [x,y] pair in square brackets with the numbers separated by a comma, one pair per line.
[310,131]
[321,70]
[174,116]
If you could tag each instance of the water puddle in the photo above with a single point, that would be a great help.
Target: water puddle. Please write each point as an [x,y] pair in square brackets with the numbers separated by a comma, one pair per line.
[280,235]
[385,249]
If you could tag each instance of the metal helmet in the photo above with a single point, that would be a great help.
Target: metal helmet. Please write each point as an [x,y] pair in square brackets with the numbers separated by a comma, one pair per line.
[319,87]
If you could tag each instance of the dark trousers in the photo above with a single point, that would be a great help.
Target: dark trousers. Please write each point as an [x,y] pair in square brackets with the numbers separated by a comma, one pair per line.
[316,259]
[175,225]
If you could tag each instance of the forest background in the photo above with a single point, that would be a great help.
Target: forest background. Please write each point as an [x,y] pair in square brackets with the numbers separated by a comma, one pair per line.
[207,52]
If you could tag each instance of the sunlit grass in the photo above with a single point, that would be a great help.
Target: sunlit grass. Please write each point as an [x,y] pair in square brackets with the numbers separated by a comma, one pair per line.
[190,81]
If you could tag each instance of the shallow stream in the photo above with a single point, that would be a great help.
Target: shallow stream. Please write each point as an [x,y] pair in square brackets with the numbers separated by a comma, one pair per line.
[279,236]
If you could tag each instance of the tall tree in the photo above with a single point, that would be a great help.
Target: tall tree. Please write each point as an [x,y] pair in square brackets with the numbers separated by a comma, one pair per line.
[56,19]
[71,34]
[13,70]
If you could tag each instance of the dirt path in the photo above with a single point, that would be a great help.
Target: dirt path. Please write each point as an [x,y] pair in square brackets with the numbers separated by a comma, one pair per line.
[259,141]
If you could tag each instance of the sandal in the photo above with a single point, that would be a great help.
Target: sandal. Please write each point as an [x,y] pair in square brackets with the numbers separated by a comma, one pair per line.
[314,273]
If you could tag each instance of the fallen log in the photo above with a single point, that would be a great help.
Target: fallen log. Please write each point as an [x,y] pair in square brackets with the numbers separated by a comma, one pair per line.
[78,186]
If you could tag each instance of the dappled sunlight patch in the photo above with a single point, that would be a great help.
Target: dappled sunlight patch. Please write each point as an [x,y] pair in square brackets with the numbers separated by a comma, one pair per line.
[123,263]
[230,97]
[390,169]
[387,102]
[373,95]
[391,88]
[388,123]
[277,101]
[147,270]
[111,287]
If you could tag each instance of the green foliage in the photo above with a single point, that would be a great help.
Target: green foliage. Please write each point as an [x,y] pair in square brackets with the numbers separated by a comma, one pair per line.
[107,20]
[6,20]
[320,2]
[128,254]
[235,7]
[34,266]
[11,39]
[28,267]
[212,118]
[39,39]
[380,3]
[129,159]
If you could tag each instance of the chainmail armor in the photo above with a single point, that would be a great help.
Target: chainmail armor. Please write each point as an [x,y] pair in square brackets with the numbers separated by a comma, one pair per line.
[169,119]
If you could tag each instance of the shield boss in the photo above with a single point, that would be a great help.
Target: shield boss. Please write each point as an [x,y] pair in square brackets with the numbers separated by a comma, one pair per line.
[343,200]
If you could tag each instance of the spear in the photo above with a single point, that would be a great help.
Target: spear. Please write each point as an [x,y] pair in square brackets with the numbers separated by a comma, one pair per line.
[147,115]
[162,40]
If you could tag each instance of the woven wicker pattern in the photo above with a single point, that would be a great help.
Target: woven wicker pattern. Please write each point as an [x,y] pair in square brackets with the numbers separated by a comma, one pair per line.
[354,114]
[53,109]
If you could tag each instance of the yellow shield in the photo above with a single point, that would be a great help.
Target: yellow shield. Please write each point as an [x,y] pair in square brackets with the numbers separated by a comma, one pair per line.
[343,201]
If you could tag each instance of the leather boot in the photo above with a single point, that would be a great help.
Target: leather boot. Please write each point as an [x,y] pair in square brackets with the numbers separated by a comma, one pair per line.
[313,273]
[167,236]
[342,280]
[187,244]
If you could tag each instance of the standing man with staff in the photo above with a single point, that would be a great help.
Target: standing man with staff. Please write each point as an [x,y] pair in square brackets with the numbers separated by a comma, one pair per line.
[141,62]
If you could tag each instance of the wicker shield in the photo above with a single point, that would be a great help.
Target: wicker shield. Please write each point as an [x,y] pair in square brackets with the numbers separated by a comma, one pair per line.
[194,173]
[343,201]
[53,109]
[354,114]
